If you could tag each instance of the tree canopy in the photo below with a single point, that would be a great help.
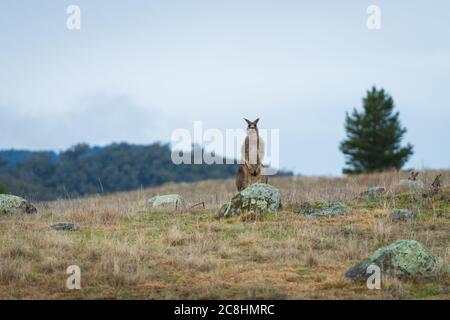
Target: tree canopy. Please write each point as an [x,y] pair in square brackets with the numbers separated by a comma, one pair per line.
[374,135]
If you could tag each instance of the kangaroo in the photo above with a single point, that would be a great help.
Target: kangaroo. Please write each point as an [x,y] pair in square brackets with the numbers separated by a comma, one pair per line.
[249,170]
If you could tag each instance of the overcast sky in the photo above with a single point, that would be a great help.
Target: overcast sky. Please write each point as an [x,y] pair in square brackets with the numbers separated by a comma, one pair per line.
[137,70]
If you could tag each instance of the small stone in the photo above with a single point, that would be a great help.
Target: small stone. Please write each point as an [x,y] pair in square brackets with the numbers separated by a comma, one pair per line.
[10,204]
[326,209]
[401,215]
[373,193]
[64,227]
[166,202]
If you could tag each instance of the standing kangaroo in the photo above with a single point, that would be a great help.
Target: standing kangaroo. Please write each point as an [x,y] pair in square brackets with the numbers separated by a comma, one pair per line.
[249,170]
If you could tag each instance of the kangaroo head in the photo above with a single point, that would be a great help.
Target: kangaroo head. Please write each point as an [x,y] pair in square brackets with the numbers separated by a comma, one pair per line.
[252,125]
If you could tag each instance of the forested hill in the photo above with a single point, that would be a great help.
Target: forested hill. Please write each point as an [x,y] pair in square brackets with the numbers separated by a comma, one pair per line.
[83,170]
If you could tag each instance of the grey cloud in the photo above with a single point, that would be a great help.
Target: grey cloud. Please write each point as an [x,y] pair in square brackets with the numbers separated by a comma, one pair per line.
[99,118]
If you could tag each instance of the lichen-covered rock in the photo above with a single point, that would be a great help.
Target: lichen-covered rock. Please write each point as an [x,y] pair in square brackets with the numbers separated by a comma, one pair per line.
[166,202]
[223,209]
[401,259]
[10,204]
[373,193]
[401,215]
[405,185]
[64,227]
[324,209]
[258,197]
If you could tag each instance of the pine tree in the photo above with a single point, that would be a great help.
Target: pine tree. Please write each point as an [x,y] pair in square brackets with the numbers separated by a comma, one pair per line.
[374,136]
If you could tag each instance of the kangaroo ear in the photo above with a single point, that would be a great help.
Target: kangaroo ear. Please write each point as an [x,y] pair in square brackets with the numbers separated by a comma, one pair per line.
[256,121]
[248,121]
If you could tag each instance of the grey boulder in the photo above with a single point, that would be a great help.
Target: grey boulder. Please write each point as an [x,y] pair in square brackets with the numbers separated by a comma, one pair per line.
[171,202]
[401,259]
[258,197]
[396,215]
[324,209]
[10,204]
[373,193]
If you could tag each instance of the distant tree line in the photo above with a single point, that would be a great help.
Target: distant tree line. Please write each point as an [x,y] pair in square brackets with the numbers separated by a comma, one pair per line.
[83,170]
[2,188]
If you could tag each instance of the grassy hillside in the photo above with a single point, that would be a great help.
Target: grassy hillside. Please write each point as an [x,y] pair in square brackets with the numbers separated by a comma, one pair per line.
[125,252]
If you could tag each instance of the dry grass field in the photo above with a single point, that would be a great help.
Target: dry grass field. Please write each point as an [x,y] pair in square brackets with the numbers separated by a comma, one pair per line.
[125,252]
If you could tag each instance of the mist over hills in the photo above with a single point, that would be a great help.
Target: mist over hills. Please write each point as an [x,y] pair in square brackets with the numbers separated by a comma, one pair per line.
[84,170]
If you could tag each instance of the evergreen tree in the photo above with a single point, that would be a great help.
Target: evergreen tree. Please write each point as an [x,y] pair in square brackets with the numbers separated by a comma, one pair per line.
[373,141]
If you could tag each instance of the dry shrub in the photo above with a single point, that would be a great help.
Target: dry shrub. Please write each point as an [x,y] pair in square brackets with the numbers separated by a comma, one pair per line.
[354,249]
[11,271]
[107,217]
[18,250]
[175,237]
[311,260]
[51,265]
[251,216]
[226,251]
[382,230]
[393,286]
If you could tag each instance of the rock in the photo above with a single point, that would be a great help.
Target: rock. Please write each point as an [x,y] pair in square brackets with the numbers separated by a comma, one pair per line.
[223,209]
[401,215]
[13,205]
[373,193]
[401,259]
[167,202]
[304,207]
[65,227]
[325,209]
[405,185]
[259,197]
